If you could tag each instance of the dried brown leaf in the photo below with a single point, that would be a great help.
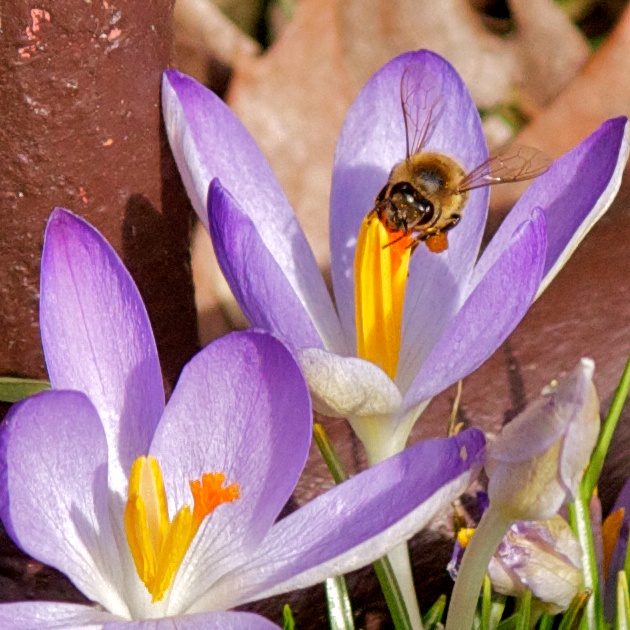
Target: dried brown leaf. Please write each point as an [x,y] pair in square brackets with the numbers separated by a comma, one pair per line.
[550,49]
[599,92]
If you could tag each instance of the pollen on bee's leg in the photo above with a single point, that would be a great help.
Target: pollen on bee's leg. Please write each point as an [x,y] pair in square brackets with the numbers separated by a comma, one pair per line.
[157,544]
[381,269]
[437,243]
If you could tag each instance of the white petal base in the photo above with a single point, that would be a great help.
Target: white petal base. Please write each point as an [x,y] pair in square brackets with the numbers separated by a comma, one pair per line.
[347,386]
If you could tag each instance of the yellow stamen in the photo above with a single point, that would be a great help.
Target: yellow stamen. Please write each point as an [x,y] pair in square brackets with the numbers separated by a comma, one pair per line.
[380,270]
[157,544]
[464,535]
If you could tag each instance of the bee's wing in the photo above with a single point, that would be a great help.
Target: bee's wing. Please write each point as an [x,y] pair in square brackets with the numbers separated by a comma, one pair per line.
[422,104]
[513,165]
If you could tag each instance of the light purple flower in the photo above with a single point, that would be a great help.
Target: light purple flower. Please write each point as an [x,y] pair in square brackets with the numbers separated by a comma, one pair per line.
[534,467]
[241,407]
[542,556]
[457,309]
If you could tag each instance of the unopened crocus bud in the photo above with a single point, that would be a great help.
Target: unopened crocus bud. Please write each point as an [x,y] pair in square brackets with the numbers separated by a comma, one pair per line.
[535,464]
[544,557]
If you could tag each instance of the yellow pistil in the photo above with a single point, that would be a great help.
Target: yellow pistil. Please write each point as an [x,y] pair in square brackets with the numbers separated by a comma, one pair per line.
[158,545]
[380,272]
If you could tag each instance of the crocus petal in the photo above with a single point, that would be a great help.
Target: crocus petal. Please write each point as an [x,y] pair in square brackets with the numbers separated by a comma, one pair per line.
[562,411]
[575,192]
[372,141]
[530,475]
[53,485]
[259,284]
[542,556]
[202,621]
[97,337]
[374,511]
[493,309]
[208,141]
[580,437]
[52,616]
[254,425]
[347,386]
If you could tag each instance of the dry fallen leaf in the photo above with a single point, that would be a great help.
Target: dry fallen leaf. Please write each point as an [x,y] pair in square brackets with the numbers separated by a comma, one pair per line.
[600,91]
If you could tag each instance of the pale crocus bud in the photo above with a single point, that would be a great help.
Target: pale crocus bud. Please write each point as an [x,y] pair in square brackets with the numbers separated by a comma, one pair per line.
[544,557]
[534,466]
[537,461]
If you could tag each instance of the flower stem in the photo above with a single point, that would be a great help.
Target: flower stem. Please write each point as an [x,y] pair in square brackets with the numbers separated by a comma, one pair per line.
[339,606]
[489,533]
[402,575]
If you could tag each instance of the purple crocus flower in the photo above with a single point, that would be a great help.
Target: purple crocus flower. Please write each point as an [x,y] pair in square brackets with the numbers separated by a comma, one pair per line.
[458,308]
[78,493]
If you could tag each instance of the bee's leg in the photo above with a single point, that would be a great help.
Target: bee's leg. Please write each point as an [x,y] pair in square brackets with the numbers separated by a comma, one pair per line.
[414,245]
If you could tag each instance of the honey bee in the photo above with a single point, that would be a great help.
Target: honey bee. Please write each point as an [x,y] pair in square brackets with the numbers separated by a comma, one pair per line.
[426,193]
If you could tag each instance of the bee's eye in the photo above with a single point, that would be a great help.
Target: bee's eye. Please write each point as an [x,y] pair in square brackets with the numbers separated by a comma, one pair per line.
[406,191]
[404,195]
[421,210]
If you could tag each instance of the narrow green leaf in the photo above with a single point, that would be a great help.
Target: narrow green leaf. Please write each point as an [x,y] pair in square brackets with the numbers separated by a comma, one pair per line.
[339,606]
[509,623]
[609,425]
[329,453]
[525,610]
[393,596]
[496,613]
[287,618]
[15,389]
[434,615]
[486,603]
[545,622]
